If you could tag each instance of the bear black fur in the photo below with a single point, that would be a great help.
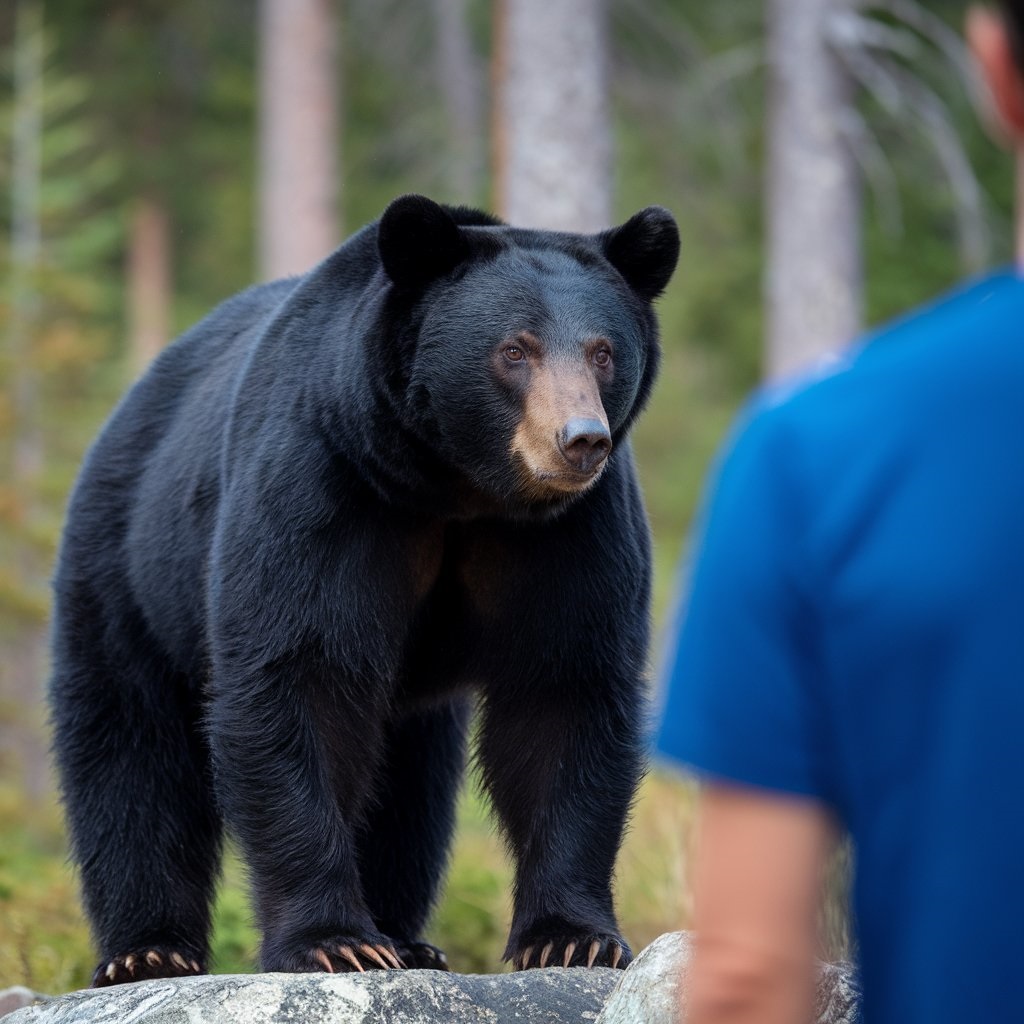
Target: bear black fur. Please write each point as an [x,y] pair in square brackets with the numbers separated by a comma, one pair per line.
[325,516]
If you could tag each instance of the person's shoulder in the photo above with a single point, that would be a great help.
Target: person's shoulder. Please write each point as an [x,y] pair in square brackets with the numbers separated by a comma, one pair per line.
[975,325]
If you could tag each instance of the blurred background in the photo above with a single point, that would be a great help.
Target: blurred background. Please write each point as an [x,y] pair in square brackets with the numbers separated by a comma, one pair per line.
[821,156]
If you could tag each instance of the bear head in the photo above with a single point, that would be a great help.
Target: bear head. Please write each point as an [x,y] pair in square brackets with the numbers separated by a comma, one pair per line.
[524,356]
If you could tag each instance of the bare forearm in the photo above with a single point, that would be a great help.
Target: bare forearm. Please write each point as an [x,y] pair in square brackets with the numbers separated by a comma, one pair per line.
[736,985]
[756,880]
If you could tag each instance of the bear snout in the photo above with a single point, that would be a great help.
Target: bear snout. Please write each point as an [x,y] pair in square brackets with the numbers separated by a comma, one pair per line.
[585,443]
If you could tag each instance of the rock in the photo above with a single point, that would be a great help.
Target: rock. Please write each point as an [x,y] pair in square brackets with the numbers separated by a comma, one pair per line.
[838,995]
[649,991]
[553,995]
[12,999]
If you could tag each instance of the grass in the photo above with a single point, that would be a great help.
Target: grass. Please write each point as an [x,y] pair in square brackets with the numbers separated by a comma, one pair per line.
[45,945]
[43,938]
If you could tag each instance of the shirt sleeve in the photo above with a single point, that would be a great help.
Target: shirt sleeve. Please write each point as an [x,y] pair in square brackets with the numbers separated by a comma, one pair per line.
[741,666]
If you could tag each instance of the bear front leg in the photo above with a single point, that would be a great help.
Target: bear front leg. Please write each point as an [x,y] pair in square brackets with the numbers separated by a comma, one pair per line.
[405,837]
[562,761]
[296,746]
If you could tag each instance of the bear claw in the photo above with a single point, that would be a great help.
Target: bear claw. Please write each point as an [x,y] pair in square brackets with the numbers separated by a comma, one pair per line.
[600,951]
[143,965]
[382,956]
[421,955]
[345,955]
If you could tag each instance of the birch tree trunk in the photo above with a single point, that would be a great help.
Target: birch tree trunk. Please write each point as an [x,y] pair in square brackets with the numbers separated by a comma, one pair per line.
[459,77]
[551,133]
[814,279]
[814,284]
[149,282]
[299,176]
[23,662]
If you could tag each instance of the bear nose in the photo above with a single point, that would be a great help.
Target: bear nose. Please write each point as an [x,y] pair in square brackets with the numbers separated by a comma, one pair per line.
[585,443]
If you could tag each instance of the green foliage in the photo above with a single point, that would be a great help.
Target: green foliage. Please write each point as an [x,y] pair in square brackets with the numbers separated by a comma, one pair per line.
[471,923]
[44,940]
[234,947]
[146,98]
[56,319]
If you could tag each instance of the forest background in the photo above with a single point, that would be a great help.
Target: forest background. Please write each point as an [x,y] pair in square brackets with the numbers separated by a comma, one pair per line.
[821,156]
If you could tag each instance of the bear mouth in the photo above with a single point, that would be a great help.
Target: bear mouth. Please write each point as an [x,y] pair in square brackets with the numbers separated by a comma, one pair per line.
[572,479]
[545,484]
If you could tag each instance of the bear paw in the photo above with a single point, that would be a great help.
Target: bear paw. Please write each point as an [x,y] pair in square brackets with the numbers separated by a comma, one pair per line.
[338,954]
[596,950]
[422,955]
[144,964]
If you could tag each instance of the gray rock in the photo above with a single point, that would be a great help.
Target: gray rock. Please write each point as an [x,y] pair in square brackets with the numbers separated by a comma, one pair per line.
[838,995]
[553,995]
[12,999]
[652,991]
[647,993]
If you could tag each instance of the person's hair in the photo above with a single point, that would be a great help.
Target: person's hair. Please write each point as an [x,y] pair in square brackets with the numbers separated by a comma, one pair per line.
[1014,12]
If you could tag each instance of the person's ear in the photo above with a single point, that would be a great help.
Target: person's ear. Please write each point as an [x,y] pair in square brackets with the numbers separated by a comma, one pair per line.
[989,40]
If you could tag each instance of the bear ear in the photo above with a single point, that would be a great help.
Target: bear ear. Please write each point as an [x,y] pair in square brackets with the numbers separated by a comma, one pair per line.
[644,250]
[418,241]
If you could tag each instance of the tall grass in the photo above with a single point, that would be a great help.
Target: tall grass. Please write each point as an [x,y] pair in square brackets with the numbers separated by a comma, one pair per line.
[45,945]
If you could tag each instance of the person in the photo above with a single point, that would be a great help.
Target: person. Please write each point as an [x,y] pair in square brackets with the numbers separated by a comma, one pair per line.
[852,655]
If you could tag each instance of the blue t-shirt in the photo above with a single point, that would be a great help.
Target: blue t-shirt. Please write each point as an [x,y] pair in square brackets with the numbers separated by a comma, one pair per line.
[855,633]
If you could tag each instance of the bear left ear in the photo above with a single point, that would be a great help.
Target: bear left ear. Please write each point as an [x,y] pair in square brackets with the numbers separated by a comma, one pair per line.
[418,241]
[644,250]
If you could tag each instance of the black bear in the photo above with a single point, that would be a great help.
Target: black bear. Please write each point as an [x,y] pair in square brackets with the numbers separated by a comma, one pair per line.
[327,515]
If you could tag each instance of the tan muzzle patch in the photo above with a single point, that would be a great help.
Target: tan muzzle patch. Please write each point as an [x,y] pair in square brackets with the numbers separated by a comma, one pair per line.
[557,393]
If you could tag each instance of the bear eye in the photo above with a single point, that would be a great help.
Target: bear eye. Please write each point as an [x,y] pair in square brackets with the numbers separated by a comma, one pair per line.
[602,357]
[514,354]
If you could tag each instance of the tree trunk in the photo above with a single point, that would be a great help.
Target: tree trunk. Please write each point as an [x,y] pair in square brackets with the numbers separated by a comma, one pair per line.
[551,134]
[23,661]
[814,280]
[26,242]
[149,282]
[459,77]
[814,201]
[299,175]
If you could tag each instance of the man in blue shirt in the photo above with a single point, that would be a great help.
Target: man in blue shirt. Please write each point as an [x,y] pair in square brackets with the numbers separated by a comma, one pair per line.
[853,652]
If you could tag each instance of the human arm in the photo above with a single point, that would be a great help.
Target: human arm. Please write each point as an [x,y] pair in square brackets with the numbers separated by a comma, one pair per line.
[747,708]
[757,873]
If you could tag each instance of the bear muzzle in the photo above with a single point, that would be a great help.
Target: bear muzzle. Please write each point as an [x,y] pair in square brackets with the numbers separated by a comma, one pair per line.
[585,443]
[565,461]
[563,440]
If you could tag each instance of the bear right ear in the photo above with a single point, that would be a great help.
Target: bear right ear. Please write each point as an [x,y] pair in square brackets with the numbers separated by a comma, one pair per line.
[418,242]
[644,250]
